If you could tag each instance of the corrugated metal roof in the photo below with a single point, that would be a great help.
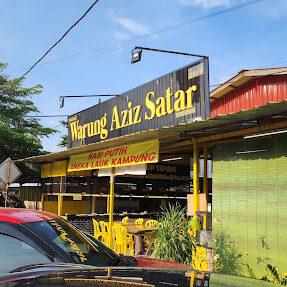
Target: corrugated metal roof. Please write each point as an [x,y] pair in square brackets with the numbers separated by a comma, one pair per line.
[216,125]
[241,78]
[255,93]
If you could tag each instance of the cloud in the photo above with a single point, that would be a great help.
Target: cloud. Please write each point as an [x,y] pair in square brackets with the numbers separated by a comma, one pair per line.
[275,10]
[121,35]
[205,4]
[130,25]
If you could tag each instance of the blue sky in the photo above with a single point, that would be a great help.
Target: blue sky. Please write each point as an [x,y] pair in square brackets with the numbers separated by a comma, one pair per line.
[95,56]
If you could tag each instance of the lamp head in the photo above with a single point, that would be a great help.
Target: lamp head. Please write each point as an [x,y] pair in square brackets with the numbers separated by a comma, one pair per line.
[136,55]
[61,102]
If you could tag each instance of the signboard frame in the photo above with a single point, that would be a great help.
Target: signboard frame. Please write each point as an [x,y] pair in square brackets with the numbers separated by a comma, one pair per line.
[181,96]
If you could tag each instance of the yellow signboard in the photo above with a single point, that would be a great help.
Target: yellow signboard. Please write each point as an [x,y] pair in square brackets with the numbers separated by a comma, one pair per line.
[54,169]
[144,152]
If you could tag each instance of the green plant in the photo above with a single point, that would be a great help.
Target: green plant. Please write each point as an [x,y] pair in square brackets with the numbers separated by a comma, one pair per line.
[226,255]
[172,240]
[274,276]
[272,273]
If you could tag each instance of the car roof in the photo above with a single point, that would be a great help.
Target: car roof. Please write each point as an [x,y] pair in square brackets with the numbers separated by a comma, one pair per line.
[22,215]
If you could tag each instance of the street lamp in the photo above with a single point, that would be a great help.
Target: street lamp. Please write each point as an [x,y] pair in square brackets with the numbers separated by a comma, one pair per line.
[86,96]
[136,57]
[137,53]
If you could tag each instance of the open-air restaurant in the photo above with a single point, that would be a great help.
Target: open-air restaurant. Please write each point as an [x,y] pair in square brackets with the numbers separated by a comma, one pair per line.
[218,156]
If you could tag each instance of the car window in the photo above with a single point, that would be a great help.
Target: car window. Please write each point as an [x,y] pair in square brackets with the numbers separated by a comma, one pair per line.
[69,239]
[16,253]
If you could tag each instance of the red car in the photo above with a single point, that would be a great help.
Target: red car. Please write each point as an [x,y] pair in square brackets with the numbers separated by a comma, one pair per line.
[30,237]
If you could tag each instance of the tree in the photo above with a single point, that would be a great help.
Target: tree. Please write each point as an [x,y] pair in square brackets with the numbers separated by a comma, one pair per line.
[64,138]
[20,136]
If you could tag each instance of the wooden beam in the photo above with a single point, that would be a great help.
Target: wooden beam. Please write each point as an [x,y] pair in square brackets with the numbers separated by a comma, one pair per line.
[244,132]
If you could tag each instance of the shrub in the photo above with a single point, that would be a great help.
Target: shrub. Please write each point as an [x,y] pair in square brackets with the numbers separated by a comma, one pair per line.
[226,255]
[172,240]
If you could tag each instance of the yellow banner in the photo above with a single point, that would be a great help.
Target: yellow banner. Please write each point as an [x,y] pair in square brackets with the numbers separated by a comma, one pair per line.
[145,152]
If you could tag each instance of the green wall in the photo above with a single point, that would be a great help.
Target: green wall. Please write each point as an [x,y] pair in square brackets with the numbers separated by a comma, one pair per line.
[250,197]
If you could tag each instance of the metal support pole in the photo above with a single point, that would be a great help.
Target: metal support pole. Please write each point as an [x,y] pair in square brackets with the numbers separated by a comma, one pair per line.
[205,178]
[60,204]
[111,213]
[171,52]
[195,177]
[8,180]
[111,208]
[192,279]
[205,182]
[60,197]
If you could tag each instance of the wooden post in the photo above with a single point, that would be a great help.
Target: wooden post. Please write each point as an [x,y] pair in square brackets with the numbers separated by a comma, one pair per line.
[8,180]
[93,204]
[42,202]
[37,195]
[195,177]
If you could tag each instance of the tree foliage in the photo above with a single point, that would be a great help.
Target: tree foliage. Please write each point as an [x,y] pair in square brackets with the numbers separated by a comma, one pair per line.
[64,138]
[20,135]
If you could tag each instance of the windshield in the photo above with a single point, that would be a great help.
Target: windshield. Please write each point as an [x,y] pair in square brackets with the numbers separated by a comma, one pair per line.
[78,246]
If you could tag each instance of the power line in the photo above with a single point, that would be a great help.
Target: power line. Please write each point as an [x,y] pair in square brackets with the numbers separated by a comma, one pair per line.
[88,96]
[64,35]
[236,7]
[47,116]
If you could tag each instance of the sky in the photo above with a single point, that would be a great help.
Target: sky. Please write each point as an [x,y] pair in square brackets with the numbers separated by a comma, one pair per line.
[94,58]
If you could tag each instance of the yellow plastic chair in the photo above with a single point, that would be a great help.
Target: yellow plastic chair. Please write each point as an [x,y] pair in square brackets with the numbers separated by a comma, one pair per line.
[122,240]
[139,221]
[125,219]
[97,231]
[128,241]
[104,232]
[117,239]
[151,223]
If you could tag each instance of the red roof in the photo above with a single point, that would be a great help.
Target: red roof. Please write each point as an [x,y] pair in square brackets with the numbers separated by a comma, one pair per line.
[249,89]
[21,215]
[255,93]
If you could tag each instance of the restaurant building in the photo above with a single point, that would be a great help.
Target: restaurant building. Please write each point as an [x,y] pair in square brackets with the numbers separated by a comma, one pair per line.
[240,126]
[144,120]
